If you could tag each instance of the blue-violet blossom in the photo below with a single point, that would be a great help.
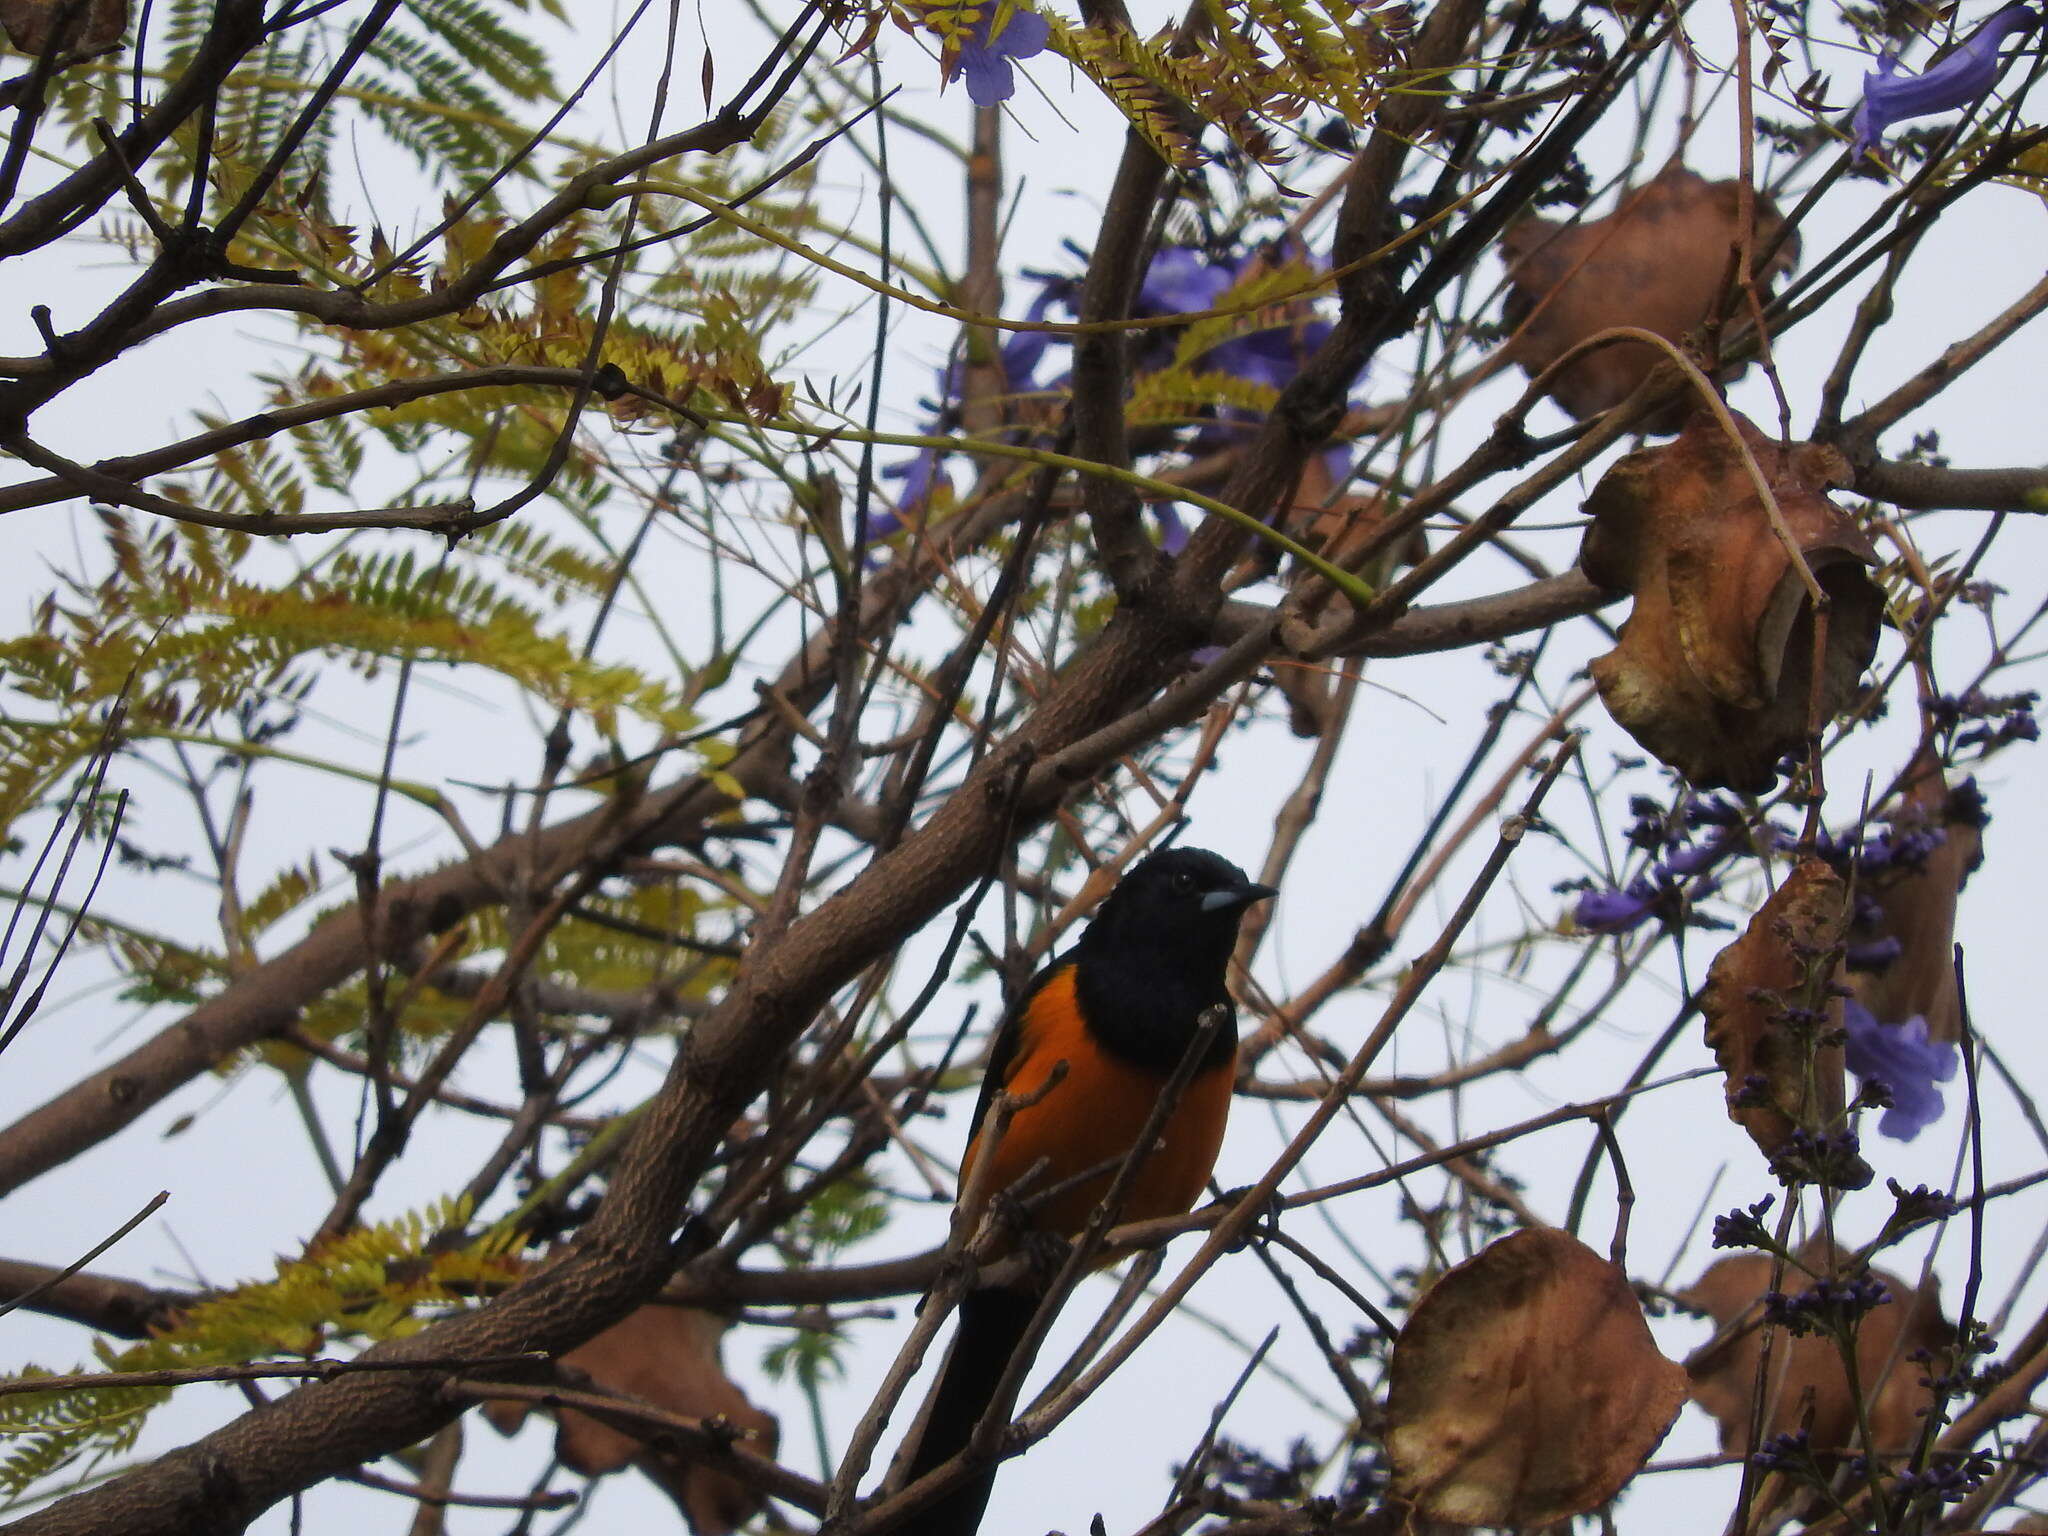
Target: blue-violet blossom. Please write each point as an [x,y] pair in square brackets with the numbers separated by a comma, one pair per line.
[1955,80]
[1905,1061]
[990,51]
[1605,912]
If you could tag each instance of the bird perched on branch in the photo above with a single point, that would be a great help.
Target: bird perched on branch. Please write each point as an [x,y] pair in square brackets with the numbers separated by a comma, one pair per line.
[1122,1010]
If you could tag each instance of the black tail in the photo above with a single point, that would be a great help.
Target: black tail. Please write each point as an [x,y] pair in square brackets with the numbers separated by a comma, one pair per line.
[992,1324]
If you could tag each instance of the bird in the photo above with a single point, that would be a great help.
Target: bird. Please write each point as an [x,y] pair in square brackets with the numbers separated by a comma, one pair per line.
[1121,1009]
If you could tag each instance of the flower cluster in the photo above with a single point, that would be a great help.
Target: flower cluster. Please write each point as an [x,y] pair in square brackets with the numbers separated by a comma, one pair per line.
[1786,1453]
[1987,721]
[1946,1479]
[1667,890]
[1187,280]
[1790,1453]
[1832,1160]
[1827,1306]
[1181,280]
[1906,844]
[1745,1228]
[1916,1206]
[1252,1474]
[1671,886]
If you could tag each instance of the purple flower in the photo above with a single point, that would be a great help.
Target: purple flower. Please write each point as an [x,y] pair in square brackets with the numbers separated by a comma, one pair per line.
[1827,1306]
[1173,532]
[1023,349]
[988,52]
[1745,1228]
[1182,281]
[1271,357]
[1615,911]
[1955,80]
[1874,956]
[1658,890]
[922,476]
[1905,1061]
[1713,811]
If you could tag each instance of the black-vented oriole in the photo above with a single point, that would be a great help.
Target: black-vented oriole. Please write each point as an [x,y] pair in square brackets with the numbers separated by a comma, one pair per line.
[1121,1009]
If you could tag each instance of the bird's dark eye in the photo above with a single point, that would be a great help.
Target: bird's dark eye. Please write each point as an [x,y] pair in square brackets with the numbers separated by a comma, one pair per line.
[1183,883]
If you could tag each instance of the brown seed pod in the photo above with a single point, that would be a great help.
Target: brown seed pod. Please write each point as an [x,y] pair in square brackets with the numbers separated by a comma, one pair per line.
[1660,262]
[1714,672]
[1526,1388]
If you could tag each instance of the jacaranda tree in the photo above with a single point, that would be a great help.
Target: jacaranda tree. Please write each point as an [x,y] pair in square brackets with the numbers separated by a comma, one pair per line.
[594,589]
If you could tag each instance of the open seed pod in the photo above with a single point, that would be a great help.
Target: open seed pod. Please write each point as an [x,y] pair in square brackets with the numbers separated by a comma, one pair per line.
[1771,1090]
[1808,1388]
[1915,905]
[1525,1388]
[1660,262]
[667,1356]
[1714,672]
[33,26]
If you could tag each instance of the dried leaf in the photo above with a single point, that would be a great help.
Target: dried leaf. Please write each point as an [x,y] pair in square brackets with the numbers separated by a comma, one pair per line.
[1714,670]
[1525,1387]
[1915,903]
[1808,1387]
[79,26]
[1659,262]
[1771,1090]
[667,1356]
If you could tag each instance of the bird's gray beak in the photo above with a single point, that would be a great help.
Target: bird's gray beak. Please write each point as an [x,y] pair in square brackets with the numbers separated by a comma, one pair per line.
[1243,896]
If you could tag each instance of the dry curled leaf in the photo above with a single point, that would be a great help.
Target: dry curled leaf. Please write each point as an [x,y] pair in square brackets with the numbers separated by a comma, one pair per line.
[1526,1388]
[1659,262]
[1808,1388]
[1714,671]
[77,26]
[666,1356]
[1913,902]
[1783,961]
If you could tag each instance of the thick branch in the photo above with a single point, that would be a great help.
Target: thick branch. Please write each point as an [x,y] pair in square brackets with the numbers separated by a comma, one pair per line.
[1109,292]
[1927,488]
[107,1304]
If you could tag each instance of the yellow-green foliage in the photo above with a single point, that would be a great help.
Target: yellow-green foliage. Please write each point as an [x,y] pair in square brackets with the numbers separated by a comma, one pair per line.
[1258,66]
[380,1282]
[189,636]
[45,1432]
[1176,395]
[1260,301]
[625,955]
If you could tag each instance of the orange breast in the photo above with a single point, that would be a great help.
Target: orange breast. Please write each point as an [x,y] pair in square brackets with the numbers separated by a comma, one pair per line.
[1091,1118]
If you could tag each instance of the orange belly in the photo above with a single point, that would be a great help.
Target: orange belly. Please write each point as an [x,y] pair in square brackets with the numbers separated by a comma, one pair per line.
[1089,1120]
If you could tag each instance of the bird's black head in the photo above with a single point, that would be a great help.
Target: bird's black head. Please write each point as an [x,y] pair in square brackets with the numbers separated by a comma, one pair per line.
[1183,899]
[1155,955]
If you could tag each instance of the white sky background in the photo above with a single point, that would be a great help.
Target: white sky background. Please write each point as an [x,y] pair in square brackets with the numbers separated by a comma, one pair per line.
[243,1184]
